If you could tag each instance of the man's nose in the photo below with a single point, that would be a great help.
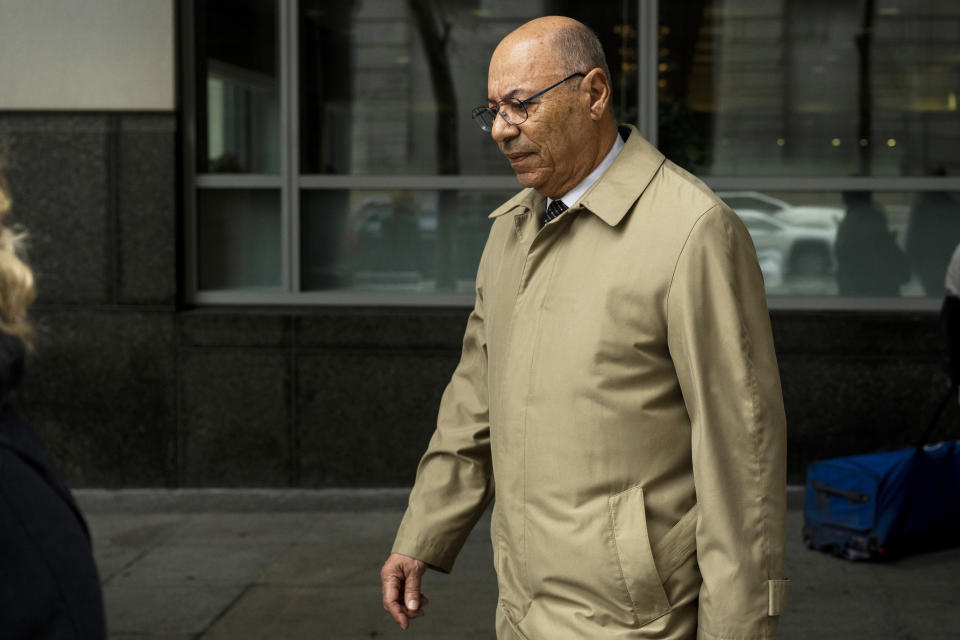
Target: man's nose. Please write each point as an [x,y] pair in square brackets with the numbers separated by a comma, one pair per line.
[503,130]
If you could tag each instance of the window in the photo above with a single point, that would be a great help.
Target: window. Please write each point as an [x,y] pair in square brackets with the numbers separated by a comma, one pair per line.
[334,159]
[330,156]
[836,119]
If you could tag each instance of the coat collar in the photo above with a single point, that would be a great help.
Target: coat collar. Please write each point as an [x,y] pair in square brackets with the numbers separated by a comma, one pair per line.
[522,202]
[610,197]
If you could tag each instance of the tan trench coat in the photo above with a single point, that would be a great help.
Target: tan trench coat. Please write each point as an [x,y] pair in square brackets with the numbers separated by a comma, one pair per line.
[618,380]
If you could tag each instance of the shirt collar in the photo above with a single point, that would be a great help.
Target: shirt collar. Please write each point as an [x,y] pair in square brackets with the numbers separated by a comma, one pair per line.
[611,198]
[570,197]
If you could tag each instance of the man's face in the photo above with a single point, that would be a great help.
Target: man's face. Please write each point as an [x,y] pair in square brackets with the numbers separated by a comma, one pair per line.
[547,151]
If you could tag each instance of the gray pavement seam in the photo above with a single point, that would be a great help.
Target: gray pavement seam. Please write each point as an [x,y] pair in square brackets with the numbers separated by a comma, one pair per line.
[158,542]
[341,500]
[243,592]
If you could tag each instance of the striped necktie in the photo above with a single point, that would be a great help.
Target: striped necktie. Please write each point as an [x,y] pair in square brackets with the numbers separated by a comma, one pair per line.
[555,209]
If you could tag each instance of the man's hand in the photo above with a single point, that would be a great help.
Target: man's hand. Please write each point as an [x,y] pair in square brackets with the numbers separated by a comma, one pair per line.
[402,598]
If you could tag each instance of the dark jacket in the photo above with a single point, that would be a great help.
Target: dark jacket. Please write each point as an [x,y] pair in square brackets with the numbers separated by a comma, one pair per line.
[49,586]
[950,323]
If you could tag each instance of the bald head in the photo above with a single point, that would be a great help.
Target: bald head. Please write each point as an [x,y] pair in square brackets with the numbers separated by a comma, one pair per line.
[556,67]
[575,46]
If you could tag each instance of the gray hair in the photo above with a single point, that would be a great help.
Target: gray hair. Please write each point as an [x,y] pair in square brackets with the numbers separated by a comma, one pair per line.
[580,50]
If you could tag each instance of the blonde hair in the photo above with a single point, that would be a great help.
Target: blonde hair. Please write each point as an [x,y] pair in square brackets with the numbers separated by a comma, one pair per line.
[17,291]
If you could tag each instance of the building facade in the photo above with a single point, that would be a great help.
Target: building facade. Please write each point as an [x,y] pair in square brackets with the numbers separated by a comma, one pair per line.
[255,223]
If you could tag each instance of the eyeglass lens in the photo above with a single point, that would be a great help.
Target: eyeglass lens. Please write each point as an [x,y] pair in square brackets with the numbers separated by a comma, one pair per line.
[512,111]
[484,118]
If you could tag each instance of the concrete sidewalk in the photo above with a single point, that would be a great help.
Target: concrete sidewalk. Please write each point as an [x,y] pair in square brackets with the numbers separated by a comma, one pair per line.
[302,564]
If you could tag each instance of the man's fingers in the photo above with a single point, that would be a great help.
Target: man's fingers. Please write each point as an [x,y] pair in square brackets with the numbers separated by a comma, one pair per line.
[400,577]
[398,615]
[403,615]
[397,611]
[391,600]
[419,612]
[391,589]
[411,591]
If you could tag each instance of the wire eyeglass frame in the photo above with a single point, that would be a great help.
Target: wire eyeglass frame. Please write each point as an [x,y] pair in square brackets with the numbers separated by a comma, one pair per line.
[486,116]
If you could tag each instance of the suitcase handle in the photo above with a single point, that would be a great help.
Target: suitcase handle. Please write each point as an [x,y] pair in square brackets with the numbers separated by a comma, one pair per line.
[852,497]
[951,393]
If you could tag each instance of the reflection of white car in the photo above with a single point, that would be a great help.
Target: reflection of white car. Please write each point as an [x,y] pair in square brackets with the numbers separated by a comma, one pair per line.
[807,216]
[787,249]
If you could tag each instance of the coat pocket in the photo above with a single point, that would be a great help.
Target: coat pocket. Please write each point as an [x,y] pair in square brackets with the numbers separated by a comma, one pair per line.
[513,602]
[628,522]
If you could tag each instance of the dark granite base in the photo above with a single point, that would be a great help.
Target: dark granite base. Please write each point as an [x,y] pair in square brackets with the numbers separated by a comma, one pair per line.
[59,178]
[269,399]
[859,382]
[366,417]
[100,391]
[235,420]
[97,193]
[146,247]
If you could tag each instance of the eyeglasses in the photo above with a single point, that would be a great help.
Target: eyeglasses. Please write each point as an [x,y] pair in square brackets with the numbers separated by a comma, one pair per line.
[514,110]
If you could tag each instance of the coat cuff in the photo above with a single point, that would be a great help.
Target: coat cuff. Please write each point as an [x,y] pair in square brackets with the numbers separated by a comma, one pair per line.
[769,633]
[766,629]
[778,596]
[437,555]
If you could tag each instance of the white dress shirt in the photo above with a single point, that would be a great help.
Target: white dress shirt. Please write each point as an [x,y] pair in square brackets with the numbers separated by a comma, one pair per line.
[570,197]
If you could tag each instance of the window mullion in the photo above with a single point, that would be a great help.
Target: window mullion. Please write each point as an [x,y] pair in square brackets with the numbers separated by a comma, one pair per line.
[292,45]
[188,97]
[648,30]
[286,42]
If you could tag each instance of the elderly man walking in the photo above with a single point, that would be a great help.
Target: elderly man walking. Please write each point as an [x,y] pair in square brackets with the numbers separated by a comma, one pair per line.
[618,389]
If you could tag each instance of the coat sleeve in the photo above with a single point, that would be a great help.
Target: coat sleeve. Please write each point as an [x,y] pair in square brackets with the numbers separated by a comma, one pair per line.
[454,480]
[721,343]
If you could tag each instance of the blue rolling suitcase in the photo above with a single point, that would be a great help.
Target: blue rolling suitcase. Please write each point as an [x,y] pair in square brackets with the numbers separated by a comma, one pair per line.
[886,504]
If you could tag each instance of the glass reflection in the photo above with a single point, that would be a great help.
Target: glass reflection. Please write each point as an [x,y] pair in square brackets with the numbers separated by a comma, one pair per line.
[870,262]
[237,87]
[800,87]
[932,233]
[854,243]
[413,241]
[238,239]
[387,87]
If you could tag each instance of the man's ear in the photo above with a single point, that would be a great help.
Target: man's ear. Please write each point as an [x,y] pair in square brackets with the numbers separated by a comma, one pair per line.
[597,85]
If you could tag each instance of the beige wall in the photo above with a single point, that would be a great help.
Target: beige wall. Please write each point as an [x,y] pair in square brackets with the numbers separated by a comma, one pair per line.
[87,54]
